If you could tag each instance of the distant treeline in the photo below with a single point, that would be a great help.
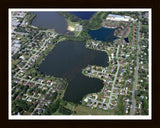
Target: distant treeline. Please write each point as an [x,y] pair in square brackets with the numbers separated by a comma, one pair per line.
[29,17]
[72,18]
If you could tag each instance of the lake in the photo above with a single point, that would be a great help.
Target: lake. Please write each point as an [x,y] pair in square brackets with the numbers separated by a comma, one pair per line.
[126,39]
[51,20]
[103,34]
[83,15]
[67,60]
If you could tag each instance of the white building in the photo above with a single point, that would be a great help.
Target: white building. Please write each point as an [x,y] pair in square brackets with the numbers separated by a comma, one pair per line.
[119,18]
[112,55]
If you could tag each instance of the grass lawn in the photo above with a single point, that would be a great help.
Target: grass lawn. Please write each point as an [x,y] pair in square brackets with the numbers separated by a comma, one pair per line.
[107,99]
[84,110]
[15,62]
[26,113]
[73,24]
[93,16]
[26,56]
[102,16]
[57,113]
[100,95]
[69,106]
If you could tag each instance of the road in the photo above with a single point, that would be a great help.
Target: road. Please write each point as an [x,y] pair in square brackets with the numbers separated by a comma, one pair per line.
[31,81]
[41,101]
[114,78]
[32,57]
[137,67]
[31,96]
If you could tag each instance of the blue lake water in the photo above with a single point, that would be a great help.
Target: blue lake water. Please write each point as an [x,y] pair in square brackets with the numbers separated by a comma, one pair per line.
[83,15]
[103,34]
[126,39]
[51,20]
[67,60]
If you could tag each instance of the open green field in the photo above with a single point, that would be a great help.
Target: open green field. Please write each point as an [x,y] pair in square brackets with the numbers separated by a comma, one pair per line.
[15,62]
[26,113]
[73,24]
[84,110]
[48,30]
[70,23]
[96,20]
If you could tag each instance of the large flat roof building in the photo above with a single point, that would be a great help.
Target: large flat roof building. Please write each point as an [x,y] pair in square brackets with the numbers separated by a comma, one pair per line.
[119,18]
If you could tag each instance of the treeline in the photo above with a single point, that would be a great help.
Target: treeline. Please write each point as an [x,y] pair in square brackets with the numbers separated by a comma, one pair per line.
[72,18]
[120,108]
[51,108]
[144,29]
[96,21]
[29,17]
[16,56]
[40,36]
[82,37]
[57,106]
[65,111]
[145,103]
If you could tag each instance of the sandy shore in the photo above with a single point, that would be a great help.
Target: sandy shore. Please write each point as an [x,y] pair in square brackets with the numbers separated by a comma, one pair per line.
[70,28]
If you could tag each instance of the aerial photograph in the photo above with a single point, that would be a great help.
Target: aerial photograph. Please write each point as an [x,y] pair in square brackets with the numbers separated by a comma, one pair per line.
[79,63]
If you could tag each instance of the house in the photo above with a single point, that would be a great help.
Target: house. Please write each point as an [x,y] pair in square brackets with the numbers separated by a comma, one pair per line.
[126,110]
[48,81]
[23,98]
[44,88]
[29,100]
[34,85]
[16,81]
[89,105]
[100,106]
[29,77]
[105,107]
[86,99]
[112,55]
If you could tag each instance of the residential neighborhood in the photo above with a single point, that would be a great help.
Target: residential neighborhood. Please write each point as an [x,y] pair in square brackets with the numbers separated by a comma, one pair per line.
[119,76]
[125,77]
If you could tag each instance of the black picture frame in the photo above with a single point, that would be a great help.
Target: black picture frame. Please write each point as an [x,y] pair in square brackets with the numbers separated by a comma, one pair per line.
[6,4]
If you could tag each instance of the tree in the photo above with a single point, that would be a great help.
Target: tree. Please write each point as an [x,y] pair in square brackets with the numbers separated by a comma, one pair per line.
[144,107]
[16,56]
[65,111]
[120,108]
[53,107]
[144,29]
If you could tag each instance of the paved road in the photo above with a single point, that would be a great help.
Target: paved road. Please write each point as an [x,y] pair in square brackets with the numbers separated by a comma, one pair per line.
[31,81]
[31,96]
[137,67]
[32,57]
[41,101]
[114,78]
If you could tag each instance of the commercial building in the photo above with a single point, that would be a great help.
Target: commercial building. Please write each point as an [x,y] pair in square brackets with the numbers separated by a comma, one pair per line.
[119,18]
